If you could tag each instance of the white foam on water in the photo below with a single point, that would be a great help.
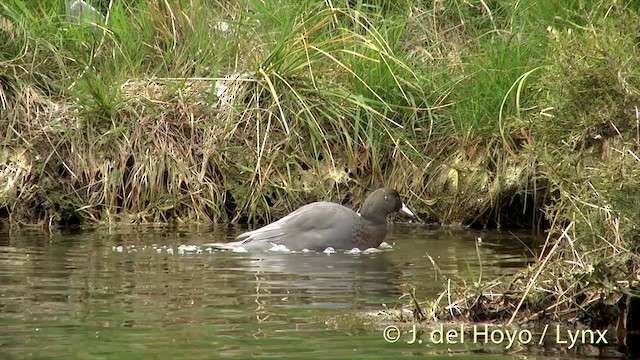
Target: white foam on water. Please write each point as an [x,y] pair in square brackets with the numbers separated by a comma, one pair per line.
[188,248]
[279,248]
[184,248]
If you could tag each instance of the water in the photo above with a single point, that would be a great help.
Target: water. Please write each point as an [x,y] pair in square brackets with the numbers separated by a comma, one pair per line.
[97,294]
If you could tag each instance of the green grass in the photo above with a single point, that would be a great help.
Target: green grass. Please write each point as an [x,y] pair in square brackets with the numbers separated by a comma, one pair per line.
[460,106]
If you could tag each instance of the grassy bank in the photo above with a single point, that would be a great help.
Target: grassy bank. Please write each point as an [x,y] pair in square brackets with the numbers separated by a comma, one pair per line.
[488,114]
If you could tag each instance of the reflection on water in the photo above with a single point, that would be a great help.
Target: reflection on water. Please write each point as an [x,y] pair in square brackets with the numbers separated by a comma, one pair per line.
[78,295]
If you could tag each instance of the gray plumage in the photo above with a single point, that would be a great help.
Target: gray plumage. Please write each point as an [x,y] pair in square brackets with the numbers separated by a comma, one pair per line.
[319,225]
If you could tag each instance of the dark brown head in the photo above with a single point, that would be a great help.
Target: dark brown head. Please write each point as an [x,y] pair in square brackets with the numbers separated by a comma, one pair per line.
[382,202]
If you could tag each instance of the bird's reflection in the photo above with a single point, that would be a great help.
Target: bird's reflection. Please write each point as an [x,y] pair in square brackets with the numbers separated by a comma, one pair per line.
[320,280]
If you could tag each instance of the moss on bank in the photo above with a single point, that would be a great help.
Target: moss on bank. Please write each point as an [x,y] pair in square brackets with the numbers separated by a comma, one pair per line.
[486,115]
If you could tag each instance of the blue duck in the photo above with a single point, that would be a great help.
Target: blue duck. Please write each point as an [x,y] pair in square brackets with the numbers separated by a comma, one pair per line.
[319,225]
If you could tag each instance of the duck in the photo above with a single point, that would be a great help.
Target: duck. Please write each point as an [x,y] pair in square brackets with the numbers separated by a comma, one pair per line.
[321,225]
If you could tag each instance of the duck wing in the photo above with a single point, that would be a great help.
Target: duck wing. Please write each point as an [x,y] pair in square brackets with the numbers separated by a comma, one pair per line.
[314,226]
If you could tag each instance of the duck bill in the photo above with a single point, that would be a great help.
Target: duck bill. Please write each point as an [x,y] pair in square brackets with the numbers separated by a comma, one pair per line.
[404,210]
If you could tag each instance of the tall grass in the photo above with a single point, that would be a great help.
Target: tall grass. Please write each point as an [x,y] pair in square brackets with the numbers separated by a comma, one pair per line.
[580,132]
[144,138]
[446,101]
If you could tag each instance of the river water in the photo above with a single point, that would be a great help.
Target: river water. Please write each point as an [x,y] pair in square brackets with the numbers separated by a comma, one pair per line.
[152,292]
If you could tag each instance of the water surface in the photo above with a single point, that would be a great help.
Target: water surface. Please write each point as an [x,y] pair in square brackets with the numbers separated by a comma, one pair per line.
[134,293]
